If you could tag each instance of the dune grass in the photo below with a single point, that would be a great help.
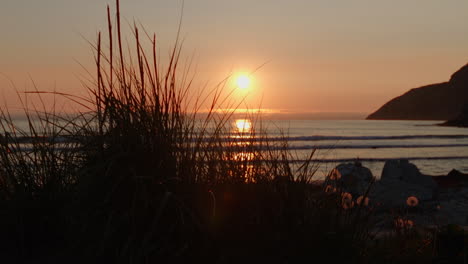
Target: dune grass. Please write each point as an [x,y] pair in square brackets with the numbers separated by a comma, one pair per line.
[145,176]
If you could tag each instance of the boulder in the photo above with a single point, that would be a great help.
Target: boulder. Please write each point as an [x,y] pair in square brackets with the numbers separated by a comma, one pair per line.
[394,193]
[458,175]
[400,180]
[454,179]
[350,177]
[407,172]
[452,212]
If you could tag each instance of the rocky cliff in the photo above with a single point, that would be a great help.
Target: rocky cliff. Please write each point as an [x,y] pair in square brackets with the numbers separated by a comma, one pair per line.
[442,101]
[461,120]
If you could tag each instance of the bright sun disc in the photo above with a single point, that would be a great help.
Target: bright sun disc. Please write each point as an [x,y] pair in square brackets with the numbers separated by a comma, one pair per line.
[243,82]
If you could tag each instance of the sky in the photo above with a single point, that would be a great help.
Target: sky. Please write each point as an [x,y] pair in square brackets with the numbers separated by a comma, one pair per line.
[317,55]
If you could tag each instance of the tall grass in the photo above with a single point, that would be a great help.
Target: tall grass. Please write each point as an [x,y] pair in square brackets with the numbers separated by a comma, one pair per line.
[38,174]
[145,176]
[163,182]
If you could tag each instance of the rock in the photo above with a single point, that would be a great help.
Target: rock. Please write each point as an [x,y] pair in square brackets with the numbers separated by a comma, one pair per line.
[461,120]
[407,172]
[442,101]
[458,175]
[400,180]
[395,193]
[350,177]
[462,194]
[454,179]
[453,207]
[452,212]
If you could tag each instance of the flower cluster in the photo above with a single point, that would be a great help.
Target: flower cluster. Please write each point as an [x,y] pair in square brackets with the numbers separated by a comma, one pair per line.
[330,189]
[347,200]
[335,175]
[348,203]
[401,223]
[361,200]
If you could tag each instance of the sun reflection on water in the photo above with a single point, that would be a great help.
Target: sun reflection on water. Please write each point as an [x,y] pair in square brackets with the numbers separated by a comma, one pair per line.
[243,125]
[242,147]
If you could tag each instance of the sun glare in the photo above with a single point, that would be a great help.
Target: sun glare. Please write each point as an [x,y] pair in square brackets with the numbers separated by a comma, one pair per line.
[243,125]
[243,81]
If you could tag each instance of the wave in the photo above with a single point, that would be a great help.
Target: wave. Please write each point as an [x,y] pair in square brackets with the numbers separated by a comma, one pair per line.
[248,137]
[302,147]
[306,147]
[380,159]
[369,160]
[322,138]
[334,147]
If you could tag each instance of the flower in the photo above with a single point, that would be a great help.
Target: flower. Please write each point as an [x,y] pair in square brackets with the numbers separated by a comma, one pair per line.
[409,224]
[363,200]
[330,189]
[347,200]
[412,201]
[347,204]
[401,223]
[346,196]
[335,174]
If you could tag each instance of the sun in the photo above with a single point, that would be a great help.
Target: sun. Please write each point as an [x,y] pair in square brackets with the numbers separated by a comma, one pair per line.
[243,81]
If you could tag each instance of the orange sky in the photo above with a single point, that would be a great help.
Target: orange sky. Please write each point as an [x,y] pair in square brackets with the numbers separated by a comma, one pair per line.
[323,56]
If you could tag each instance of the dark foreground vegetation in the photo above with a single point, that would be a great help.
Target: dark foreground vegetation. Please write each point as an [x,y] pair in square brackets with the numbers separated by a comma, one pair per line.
[141,178]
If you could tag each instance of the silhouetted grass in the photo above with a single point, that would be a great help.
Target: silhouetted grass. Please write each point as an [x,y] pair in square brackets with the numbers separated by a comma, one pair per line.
[38,177]
[144,176]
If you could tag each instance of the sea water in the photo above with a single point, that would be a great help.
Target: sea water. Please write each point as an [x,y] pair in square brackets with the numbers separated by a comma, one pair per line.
[434,149]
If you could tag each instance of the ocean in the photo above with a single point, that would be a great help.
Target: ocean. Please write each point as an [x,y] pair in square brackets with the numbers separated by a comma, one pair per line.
[434,149]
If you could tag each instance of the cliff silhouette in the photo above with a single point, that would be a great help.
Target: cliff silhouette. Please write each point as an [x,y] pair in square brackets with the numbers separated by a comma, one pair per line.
[441,101]
[460,121]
